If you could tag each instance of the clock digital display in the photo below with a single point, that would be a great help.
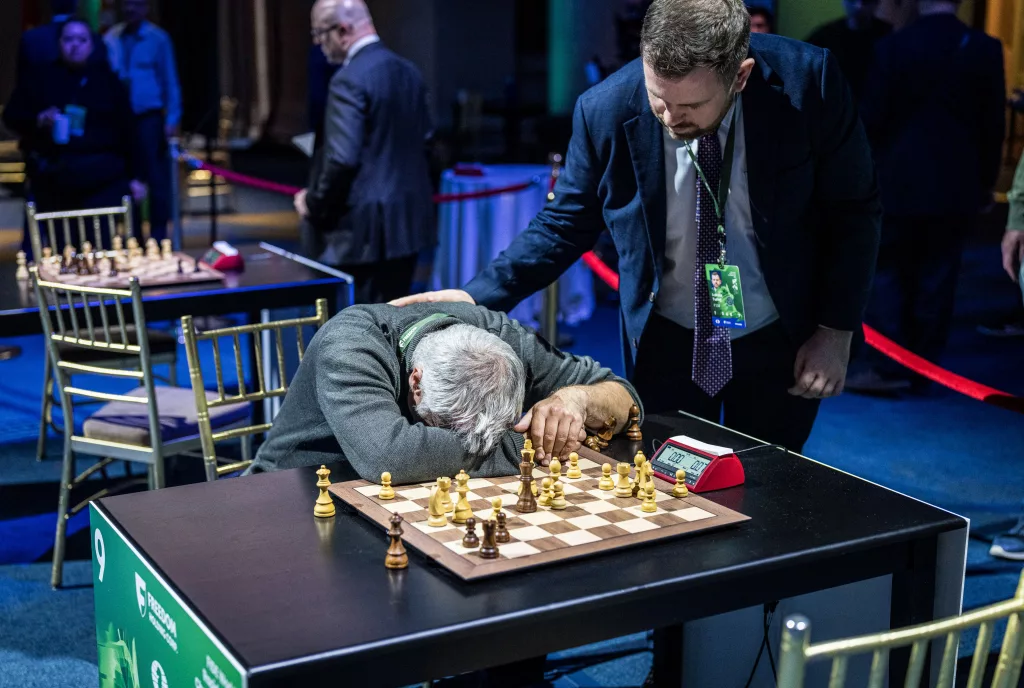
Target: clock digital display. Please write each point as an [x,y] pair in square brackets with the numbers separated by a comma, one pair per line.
[678,458]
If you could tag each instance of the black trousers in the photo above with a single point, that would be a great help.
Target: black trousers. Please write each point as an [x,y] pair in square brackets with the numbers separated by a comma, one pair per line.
[915,284]
[755,401]
[153,156]
[384,281]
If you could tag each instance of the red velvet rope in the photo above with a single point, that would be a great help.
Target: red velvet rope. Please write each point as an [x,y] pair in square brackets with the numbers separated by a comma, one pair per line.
[256,183]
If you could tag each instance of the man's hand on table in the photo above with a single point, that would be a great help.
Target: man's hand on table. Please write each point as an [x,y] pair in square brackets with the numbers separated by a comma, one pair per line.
[443,296]
[555,425]
[820,369]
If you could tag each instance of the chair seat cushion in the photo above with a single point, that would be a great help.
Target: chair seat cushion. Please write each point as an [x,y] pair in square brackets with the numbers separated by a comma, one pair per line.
[128,423]
[160,343]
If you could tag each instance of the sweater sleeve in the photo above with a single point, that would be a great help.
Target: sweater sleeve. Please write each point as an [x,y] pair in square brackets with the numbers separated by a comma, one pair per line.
[357,390]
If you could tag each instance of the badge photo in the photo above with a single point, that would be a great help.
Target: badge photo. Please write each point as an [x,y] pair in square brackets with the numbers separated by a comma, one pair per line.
[726,296]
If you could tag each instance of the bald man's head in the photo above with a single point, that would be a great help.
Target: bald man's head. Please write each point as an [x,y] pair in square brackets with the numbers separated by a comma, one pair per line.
[337,24]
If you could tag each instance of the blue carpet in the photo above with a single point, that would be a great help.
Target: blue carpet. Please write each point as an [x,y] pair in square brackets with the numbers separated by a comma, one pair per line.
[940,447]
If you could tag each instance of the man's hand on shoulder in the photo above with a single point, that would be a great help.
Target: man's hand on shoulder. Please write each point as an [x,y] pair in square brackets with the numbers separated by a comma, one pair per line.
[820,369]
[556,424]
[443,296]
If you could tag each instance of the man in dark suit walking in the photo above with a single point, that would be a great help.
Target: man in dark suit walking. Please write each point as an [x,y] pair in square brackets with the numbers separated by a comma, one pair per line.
[935,111]
[800,222]
[368,207]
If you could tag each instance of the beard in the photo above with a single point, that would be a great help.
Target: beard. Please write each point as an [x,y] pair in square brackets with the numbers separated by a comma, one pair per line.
[694,133]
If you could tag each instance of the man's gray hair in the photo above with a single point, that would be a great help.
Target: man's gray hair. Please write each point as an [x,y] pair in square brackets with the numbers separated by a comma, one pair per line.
[680,36]
[473,384]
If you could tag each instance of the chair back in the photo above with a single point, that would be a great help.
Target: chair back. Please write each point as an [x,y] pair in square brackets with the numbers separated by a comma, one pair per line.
[75,227]
[262,391]
[797,651]
[94,318]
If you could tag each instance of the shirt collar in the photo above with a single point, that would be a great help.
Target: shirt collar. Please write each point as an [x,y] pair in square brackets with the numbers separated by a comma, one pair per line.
[359,45]
[723,128]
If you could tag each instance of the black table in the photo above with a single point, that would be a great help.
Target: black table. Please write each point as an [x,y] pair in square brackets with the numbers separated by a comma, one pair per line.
[295,600]
[272,279]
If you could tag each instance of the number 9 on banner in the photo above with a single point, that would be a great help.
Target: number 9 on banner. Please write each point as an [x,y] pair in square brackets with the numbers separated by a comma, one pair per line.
[100,552]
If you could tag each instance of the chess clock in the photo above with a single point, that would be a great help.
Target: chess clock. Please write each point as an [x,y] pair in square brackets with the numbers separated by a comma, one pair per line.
[223,256]
[704,471]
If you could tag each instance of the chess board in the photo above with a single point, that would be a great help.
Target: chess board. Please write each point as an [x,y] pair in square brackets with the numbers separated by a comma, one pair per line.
[151,272]
[594,520]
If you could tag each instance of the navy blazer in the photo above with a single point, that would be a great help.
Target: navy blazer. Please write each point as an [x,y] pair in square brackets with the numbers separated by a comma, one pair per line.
[813,195]
[370,197]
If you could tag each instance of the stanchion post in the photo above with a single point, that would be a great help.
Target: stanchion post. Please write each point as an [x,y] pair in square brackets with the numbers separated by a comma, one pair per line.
[177,240]
[549,318]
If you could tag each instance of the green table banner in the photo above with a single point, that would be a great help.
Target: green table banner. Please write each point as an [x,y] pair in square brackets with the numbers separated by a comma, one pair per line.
[146,636]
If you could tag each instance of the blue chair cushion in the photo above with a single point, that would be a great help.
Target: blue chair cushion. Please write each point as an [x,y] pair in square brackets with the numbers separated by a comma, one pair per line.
[128,423]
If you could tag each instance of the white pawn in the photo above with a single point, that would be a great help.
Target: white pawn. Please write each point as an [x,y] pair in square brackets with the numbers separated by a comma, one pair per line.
[546,492]
[22,271]
[495,509]
[165,249]
[558,500]
[556,469]
[152,249]
[574,467]
[680,489]
[650,505]
[386,491]
[606,483]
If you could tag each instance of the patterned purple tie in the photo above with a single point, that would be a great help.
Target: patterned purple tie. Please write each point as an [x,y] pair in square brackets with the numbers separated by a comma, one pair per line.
[712,350]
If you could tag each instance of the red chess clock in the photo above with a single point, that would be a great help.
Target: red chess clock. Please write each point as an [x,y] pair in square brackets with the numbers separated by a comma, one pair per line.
[224,256]
[705,471]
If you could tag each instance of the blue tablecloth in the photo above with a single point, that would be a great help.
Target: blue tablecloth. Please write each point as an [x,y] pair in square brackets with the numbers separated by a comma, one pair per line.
[474,232]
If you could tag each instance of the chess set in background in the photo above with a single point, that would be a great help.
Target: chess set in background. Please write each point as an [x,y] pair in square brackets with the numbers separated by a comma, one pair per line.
[158,266]
[581,512]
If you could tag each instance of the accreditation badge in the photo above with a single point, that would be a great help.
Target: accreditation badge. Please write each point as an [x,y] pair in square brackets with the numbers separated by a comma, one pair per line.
[726,295]
[76,119]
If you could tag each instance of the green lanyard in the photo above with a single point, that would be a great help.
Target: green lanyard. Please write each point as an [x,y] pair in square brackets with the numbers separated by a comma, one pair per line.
[722,196]
[414,329]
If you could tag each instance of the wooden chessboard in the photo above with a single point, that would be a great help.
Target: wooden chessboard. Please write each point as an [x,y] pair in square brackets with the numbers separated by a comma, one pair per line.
[151,272]
[594,520]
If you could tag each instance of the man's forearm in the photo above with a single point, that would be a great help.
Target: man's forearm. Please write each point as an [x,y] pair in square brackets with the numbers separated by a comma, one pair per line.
[600,402]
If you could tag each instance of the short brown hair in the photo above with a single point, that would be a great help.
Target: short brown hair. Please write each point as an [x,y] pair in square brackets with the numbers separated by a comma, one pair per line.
[680,36]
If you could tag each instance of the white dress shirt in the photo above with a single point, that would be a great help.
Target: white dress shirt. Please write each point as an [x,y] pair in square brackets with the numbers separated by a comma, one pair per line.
[359,45]
[675,299]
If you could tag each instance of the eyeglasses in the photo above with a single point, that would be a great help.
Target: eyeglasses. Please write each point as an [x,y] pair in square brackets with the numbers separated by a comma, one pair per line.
[318,34]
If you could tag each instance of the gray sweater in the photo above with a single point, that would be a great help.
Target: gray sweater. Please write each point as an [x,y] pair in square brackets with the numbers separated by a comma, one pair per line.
[349,398]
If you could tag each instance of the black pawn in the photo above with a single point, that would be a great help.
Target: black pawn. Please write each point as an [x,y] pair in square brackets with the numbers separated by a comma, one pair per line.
[489,548]
[181,266]
[501,534]
[195,266]
[470,540]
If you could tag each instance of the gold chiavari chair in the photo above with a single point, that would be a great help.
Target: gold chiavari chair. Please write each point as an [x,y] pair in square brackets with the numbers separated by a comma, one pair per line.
[55,230]
[144,425]
[797,651]
[207,404]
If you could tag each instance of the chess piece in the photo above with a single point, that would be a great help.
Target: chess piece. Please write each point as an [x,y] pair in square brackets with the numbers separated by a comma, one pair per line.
[22,270]
[324,507]
[680,489]
[625,487]
[446,497]
[86,247]
[556,469]
[462,509]
[386,491]
[495,508]
[437,517]
[606,433]
[132,245]
[165,249]
[592,443]
[501,534]
[546,492]
[533,484]
[649,506]
[117,243]
[181,268]
[527,503]
[574,471]
[47,253]
[113,268]
[195,266]
[470,540]
[640,484]
[633,426]
[90,263]
[558,500]
[606,483]
[152,249]
[489,546]
[397,558]
[528,452]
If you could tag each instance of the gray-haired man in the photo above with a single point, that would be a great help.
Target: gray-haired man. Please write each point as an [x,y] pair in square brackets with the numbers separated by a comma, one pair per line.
[428,390]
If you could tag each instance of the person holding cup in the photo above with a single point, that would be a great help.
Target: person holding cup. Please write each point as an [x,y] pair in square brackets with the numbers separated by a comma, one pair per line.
[77,129]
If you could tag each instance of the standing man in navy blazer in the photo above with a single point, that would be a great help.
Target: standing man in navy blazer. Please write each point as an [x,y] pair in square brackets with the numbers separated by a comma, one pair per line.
[368,209]
[801,220]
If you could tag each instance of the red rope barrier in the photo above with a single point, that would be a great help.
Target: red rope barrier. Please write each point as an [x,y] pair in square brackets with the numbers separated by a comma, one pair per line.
[274,187]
